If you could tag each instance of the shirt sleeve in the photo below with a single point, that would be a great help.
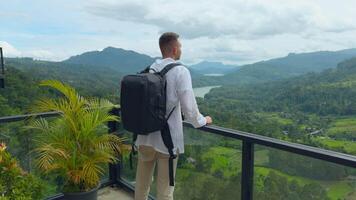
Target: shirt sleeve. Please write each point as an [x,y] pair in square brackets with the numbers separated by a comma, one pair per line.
[187,99]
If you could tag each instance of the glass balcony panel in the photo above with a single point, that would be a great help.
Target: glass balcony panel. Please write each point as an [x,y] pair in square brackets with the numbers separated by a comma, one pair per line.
[210,168]
[283,175]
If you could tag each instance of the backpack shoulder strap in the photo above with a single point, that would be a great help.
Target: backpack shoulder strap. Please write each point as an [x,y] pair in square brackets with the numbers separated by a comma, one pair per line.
[168,67]
[147,70]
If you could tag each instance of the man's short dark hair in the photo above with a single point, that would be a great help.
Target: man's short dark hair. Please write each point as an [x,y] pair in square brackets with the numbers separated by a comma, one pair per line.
[166,40]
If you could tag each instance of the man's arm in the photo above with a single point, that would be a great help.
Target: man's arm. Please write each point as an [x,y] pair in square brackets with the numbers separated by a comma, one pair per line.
[188,102]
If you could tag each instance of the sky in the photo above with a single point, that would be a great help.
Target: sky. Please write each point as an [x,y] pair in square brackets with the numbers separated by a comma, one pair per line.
[229,31]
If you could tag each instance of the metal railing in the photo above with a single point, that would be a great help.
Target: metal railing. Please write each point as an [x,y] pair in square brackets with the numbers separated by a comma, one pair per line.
[249,140]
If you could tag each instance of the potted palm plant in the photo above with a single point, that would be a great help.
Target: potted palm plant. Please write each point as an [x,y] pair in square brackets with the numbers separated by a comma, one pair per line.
[75,145]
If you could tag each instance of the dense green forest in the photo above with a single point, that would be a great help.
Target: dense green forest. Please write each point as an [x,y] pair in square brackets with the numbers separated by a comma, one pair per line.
[89,80]
[293,109]
[316,109]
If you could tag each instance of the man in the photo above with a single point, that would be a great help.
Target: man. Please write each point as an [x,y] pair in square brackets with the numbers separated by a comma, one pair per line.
[151,149]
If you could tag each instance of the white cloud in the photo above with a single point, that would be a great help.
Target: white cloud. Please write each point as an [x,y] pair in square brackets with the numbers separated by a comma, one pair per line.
[238,18]
[9,50]
[235,31]
[41,54]
[231,31]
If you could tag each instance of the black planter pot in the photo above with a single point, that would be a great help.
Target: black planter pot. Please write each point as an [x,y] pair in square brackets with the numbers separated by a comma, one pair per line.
[90,195]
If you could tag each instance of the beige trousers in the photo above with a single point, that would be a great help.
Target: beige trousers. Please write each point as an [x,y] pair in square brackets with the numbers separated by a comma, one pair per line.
[147,159]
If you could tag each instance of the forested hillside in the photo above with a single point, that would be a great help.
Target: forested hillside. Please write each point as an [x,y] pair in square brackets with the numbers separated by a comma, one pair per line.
[89,80]
[281,68]
[293,108]
[19,93]
[330,92]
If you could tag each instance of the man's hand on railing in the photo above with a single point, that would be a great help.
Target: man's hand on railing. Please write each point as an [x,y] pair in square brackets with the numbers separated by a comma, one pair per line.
[208,120]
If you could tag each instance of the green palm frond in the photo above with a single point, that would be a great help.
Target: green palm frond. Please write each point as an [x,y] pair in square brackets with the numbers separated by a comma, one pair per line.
[76,143]
[47,154]
[93,120]
[110,142]
[66,90]
[39,125]
[44,105]
[92,169]
[101,104]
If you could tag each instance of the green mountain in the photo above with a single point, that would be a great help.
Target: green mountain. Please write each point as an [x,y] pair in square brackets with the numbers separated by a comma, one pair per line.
[281,68]
[125,62]
[118,59]
[331,92]
[89,80]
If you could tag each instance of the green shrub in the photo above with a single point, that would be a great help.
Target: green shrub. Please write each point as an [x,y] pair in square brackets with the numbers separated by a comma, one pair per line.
[16,183]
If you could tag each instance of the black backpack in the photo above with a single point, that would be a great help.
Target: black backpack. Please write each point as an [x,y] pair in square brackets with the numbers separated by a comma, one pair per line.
[143,107]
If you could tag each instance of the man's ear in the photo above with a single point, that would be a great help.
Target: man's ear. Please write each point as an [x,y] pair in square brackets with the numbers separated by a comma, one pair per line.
[175,50]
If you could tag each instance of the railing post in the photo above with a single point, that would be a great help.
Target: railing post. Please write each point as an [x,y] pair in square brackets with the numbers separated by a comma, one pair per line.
[247,170]
[2,72]
[114,169]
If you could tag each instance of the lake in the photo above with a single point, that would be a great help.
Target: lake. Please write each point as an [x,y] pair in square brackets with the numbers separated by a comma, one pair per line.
[202,91]
[213,74]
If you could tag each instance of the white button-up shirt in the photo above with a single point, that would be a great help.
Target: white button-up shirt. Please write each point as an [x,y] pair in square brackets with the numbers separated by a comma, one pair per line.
[180,94]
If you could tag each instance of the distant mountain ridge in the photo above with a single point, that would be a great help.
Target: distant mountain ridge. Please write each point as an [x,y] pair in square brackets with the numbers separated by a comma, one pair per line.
[128,61]
[285,67]
[209,67]
[319,60]
[294,64]
[125,61]
[331,91]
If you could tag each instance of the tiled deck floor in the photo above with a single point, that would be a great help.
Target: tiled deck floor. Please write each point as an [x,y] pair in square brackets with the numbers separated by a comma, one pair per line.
[113,193]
